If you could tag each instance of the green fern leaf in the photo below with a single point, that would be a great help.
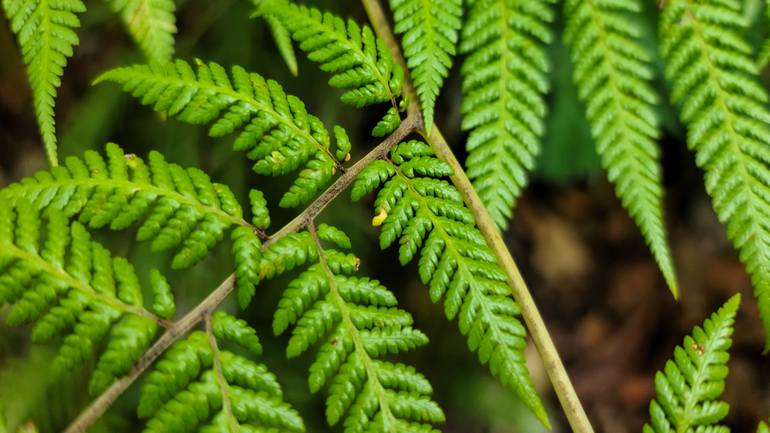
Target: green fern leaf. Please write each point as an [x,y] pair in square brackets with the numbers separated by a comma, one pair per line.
[429,29]
[278,132]
[714,79]
[689,387]
[45,30]
[613,74]
[424,213]
[358,321]
[178,207]
[282,38]
[199,387]
[151,24]
[359,62]
[763,428]
[764,54]
[53,274]
[504,83]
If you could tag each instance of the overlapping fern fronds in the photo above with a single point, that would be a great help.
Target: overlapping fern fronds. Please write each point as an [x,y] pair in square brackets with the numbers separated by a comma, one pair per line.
[200,387]
[613,73]
[714,80]
[45,31]
[358,321]
[277,131]
[689,387]
[359,62]
[430,32]
[504,83]
[54,275]
[178,207]
[424,213]
[151,23]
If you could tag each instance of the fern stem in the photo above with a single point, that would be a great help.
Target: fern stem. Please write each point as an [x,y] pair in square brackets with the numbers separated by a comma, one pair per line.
[224,389]
[573,409]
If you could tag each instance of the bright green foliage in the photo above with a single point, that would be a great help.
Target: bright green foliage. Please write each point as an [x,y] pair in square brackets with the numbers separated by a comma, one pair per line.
[422,212]
[151,24]
[689,387]
[45,30]
[714,80]
[359,62]
[199,387]
[612,72]
[54,275]
[282,38]
[179,207]
[430,32]
[358,321]
[278,132]
[763,428]
[247,250]
[504,83]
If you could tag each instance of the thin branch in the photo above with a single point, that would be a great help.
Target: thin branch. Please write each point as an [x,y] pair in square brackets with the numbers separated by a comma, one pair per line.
[554,367]
[97,408]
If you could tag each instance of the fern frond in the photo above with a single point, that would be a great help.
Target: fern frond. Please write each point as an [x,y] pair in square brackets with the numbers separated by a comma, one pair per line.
[425,213]
[358,321]
[45,31]
[277,131]
[763,428]
[764,54]
[359,62]
[612,72]
[430,32]
[151,23]
[178,207]
[714,79]
[282,39]
[199,387]
[689,387]
[53,274]
[504,83]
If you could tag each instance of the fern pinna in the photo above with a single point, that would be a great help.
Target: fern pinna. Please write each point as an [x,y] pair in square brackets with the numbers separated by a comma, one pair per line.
[277,131]
[199,386]
[358,321]
[715,82]
[56,276]
[425,213]
[689,387]
[178,208]
[612,72]
[504,86]
[46,33]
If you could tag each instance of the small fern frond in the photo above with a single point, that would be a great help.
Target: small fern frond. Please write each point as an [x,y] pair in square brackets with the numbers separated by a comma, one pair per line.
[763,428]
[430,32]
[282,39]
[45,31]
[358,321]
[53,274]
[764,54]
[422,212]
[179,207]
[689,387]
[359,62]
[151,23]
[199,387]
[612,72]
[504,84]
[277,131]
[715,81]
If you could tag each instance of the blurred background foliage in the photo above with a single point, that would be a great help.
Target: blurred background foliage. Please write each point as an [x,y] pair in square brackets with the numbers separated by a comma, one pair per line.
[599,290]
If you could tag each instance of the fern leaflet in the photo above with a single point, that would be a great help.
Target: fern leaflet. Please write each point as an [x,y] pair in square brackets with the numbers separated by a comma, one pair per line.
[715,81]
[764,54]
[45,30]
[151,24]
[690,385]
[504,83]
[359,321]
[426,212]
[613,74]
[55,275]
[199,387]
[178,206]
[429,29]
[278,132]
[359,62]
